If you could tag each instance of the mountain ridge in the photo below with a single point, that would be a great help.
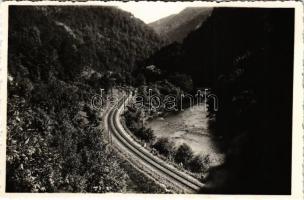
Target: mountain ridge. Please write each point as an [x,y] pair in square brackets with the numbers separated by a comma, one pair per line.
[175,27]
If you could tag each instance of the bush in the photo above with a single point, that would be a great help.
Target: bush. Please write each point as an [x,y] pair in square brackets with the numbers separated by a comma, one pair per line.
[145,134]
[164,147]
[197,164]
[183,154]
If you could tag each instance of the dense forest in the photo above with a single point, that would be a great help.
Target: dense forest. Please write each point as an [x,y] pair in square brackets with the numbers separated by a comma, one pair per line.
[246,56]
[59,57]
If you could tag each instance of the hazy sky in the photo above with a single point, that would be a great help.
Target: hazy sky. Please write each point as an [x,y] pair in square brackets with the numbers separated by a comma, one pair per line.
[152,11]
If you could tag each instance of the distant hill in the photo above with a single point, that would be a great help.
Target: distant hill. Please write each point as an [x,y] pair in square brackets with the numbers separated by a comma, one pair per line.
[177,26]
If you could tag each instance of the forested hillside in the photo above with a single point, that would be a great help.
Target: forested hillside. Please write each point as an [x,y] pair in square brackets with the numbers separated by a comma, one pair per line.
[58,58]
[68,39]
[246,56]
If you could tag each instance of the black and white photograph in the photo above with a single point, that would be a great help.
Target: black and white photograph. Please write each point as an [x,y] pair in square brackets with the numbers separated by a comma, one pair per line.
[152,98]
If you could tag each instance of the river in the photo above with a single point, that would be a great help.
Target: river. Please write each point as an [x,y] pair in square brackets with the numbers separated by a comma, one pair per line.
[191,127]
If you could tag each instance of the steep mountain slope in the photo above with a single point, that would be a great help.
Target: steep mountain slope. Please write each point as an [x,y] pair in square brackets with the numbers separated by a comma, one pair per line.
[241,54]
[104,38]
[177,26]
[58,58]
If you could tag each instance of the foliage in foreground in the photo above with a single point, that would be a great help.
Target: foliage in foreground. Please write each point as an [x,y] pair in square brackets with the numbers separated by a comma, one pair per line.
[52,147]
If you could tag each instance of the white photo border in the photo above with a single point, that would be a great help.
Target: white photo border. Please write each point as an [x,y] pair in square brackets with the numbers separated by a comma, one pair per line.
[297,116]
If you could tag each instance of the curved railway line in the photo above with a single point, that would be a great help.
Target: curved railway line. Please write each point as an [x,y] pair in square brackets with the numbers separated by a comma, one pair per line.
[164,170]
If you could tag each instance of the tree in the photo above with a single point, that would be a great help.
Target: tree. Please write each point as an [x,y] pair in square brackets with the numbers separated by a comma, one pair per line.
[164,147]
[183,154]
[197,164]
[145,134]
[148,135]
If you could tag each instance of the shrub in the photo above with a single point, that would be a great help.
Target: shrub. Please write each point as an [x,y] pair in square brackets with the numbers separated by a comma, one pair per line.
[145,134]
[183,154]
[164,147]
[197,164]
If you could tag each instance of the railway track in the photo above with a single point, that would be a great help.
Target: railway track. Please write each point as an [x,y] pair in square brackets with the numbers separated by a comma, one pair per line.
[112,119]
